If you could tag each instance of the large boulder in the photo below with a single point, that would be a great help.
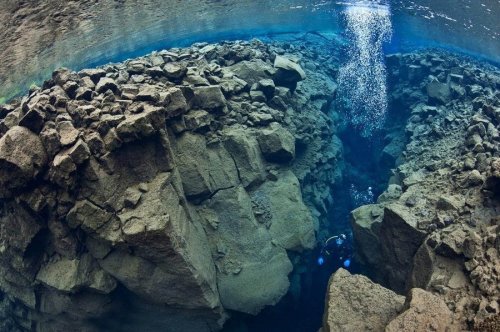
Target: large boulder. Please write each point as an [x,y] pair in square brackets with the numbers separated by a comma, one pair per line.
[94,74]
[148,93]
[106,84]
[73,275]
[400,238]
[175,71]
[366,221]
[252,271]
[144,124]
[290,221]
[267,86]
[251,71]
[354,303]
[169,249]
[288,73]
[68,134]
[208,97]
[62,171]
[22,158]
[175,101]
[244,150]
[204,168]
[18,227]
[34,120]
[438,93]
[277,144]
[198,120]
[63,167]
[424,311]
[88,216]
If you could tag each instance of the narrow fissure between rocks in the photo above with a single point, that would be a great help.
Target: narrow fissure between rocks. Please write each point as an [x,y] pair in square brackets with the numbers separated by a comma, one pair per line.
[366,168]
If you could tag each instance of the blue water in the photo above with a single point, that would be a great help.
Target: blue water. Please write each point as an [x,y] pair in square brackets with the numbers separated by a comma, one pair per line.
[117,34]
[412,28]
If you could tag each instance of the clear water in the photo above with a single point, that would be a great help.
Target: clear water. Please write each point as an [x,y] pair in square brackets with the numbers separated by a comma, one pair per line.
[119,32]
[367,29]
[362,78]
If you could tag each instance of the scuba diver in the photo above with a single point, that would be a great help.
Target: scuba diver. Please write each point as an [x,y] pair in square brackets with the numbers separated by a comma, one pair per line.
[336,249]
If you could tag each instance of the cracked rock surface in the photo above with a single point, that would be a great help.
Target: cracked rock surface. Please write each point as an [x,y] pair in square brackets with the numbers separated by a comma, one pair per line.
[169,184]
[436,226]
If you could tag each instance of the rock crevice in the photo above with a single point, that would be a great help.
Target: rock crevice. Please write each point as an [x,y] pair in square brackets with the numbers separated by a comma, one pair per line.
[436,226]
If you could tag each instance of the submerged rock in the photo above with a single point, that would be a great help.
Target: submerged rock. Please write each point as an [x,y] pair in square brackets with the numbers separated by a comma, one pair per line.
[291,224]
[438,92]
[163,187]
[105,84]
[277,144]
[205,169]
[251,71]
[22,158]
[365,222]
[288,73]
[231,224]
[354,303]
[432,234]
[423,311]
[245,151]
[170,190]
[174,70]
[209,97]
[73,275]
[400,239]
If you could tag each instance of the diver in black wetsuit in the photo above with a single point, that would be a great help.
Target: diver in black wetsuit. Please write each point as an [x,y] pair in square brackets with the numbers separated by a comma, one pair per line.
[336,249]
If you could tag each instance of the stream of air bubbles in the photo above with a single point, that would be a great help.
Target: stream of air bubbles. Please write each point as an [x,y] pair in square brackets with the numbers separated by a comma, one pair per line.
[362,78]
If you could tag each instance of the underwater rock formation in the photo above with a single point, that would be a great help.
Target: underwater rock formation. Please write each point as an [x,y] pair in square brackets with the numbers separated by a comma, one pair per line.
[354,303]
[172,184]
[170,191]
[436,226]
[423,312]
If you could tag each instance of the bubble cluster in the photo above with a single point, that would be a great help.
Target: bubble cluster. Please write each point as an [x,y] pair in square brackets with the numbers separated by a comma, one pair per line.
[362,79]
[361,196]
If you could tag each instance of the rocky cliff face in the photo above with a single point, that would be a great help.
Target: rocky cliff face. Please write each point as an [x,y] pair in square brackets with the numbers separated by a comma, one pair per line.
[171,185]
[436,226]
